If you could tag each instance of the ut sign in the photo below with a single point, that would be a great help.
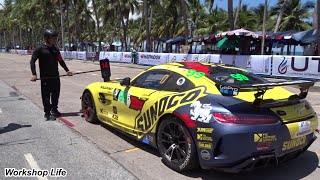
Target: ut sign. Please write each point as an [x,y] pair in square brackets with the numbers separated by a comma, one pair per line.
[296,66]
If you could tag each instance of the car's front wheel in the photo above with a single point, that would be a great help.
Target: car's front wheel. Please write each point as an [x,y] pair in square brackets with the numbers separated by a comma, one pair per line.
[176,145]
[89,108]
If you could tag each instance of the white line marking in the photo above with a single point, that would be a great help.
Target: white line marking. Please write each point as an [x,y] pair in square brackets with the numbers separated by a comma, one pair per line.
[0,110]
[95,74]
[34,165]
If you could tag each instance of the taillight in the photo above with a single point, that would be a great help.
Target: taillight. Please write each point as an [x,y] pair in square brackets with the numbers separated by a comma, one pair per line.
[244,119]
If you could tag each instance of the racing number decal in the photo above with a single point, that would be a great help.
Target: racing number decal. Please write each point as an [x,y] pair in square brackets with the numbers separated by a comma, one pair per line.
[239,77]
[195,74]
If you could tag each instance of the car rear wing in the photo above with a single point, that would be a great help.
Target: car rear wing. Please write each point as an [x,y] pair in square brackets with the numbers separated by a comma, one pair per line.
[228,89]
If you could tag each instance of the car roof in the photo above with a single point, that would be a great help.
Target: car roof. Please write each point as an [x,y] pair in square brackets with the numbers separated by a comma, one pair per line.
[174,66]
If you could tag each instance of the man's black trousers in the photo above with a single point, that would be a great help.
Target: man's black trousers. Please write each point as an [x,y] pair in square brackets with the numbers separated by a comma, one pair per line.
[50,90]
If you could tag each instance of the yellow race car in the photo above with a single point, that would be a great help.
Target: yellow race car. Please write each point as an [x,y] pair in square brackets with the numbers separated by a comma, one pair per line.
[211,115]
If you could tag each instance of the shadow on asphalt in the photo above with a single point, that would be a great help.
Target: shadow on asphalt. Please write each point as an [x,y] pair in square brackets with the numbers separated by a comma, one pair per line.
[295,169]
[132,141]
[69,114]
[12,127]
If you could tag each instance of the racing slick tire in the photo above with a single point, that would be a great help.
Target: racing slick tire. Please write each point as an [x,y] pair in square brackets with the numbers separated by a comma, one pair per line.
[176,145]
[89,108]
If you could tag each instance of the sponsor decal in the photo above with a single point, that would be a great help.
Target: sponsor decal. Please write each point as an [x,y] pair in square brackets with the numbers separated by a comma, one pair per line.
[122,96]
[204,137]
[205,155]
[229,90]
[264,137]
[205,145]
[293,143]
[239,77]
[304,129]
[146,139]
[283,66]
[105,87]
[263,145]
[181,81]
[186,161]
[147,118]
[200,112]
[204,130]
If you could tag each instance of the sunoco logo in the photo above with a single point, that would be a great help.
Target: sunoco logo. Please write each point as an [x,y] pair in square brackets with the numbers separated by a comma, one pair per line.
[150,56]
[283,67]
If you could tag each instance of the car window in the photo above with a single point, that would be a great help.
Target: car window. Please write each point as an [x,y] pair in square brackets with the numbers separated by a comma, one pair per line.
[178,83]
[153,79]
[234,76]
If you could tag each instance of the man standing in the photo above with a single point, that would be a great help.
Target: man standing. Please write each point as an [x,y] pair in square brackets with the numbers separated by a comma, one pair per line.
[49,56]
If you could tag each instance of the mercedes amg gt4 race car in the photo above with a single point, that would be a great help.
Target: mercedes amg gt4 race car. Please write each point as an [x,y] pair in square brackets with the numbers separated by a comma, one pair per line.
[211,115]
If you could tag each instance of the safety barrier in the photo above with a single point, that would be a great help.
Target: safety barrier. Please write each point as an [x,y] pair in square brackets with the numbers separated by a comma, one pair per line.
[285,66]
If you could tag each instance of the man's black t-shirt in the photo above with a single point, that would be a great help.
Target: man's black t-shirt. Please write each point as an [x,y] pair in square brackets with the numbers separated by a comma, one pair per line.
[48,61]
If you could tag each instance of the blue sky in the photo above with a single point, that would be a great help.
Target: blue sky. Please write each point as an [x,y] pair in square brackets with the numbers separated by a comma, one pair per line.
[252,3]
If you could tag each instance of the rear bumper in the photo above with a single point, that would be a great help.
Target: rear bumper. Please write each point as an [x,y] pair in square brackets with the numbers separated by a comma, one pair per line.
[261,161]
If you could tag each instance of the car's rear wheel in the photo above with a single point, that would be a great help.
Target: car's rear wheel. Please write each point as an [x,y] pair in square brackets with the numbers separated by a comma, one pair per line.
[176,145]
[89,108]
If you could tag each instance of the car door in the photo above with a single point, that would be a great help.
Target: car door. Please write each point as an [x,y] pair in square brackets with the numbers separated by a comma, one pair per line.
[132,102]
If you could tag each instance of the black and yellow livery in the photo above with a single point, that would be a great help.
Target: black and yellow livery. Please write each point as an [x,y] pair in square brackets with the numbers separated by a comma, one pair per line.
[211,115]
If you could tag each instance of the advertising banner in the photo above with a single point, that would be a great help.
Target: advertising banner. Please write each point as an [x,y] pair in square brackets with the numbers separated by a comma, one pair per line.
[215,58]
[74,54]
[90,55]
[227,59]
[81,55]
[173,57]
[126,57]
[115,56]
[68,54]
[204,58]
[296,66]
[193,57]
[101,55]
[242,61]
[259,64]
[152,58]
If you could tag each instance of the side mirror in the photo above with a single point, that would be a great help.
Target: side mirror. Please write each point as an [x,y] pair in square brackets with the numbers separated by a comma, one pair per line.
[125,82]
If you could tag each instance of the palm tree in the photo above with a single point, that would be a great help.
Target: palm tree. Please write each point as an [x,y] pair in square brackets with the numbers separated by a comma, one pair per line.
[294,15]
[185,19]
[210,3]
[247,19]
[281,11]
[230,14]
[237,13]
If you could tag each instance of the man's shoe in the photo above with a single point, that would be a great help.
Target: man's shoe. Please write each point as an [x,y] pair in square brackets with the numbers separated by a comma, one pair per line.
[48,116]
[55,113]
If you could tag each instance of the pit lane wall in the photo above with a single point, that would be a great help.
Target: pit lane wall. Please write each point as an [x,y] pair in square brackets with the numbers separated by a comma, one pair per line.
[277,65]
